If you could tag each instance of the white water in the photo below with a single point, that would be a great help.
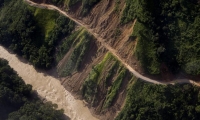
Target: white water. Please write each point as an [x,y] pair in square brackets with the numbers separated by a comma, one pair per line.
[48,87]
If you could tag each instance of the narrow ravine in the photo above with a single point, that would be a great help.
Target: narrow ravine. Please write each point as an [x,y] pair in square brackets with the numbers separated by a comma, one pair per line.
[48,87]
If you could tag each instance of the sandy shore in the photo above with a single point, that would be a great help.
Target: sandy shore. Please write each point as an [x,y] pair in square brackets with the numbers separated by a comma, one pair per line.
[48,87]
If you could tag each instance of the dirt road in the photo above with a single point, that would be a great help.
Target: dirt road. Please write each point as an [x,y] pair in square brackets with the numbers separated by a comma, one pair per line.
[51,89]
[113,51]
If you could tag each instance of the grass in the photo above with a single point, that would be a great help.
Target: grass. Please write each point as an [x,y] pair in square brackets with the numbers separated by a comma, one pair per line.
[80,44]
[99,67]
[110,73]
[66,45]
[112,92]
[89,88]
[96,71]
[46,19]
[107,75]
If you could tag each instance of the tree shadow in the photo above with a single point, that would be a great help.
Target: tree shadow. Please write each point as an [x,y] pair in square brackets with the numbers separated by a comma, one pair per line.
[65,117]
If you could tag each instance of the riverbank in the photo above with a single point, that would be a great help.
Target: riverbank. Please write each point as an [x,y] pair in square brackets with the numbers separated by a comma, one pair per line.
[48,87]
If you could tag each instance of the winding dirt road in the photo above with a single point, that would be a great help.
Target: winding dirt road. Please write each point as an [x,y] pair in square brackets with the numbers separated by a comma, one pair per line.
[109,48]
[50,87]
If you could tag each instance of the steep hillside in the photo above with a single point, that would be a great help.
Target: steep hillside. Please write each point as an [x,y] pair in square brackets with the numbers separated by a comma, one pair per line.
[103,17]
[143,33]
[47,39]
[162,28]
[93,73]
[92,52]
[150,101]
[169,30]
[32,32]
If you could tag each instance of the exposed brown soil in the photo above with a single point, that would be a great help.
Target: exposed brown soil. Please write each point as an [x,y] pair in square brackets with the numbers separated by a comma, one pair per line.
[105,21]
[73,83]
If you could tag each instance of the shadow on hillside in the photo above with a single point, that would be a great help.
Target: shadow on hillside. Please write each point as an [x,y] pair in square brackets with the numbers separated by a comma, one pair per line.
[66,117]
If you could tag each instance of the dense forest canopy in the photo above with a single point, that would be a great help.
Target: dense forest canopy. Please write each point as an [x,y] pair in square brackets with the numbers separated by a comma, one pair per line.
[168,35]
[167,32]
[17,101]
[32,32]
[146,101]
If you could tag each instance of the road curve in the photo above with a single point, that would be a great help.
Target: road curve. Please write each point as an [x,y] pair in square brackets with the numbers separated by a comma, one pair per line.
[108,47]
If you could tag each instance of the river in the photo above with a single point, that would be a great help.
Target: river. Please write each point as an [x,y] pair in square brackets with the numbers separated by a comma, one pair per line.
[48,87]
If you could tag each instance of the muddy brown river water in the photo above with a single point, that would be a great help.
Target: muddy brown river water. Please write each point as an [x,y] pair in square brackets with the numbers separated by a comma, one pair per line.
[48,87]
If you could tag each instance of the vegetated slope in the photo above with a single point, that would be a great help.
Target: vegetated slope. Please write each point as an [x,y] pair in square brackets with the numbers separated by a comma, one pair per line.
[103,87]
[17,100]
[161,102]
[32,32]
[23,37]
[169,32]
[89,69]
[104,19]
[91,77]
[77,45]
[24,40]
[100,78]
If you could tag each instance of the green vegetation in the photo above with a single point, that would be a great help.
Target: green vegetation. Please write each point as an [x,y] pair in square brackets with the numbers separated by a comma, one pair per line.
[117,3]
[46,20]
[37,111]
[146,50]
[79,41]
[167,32]
[66,44]
[102,80]
[147,101]
[89,88]
[112,92]
[17,101]
[87,6]
[32,32]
